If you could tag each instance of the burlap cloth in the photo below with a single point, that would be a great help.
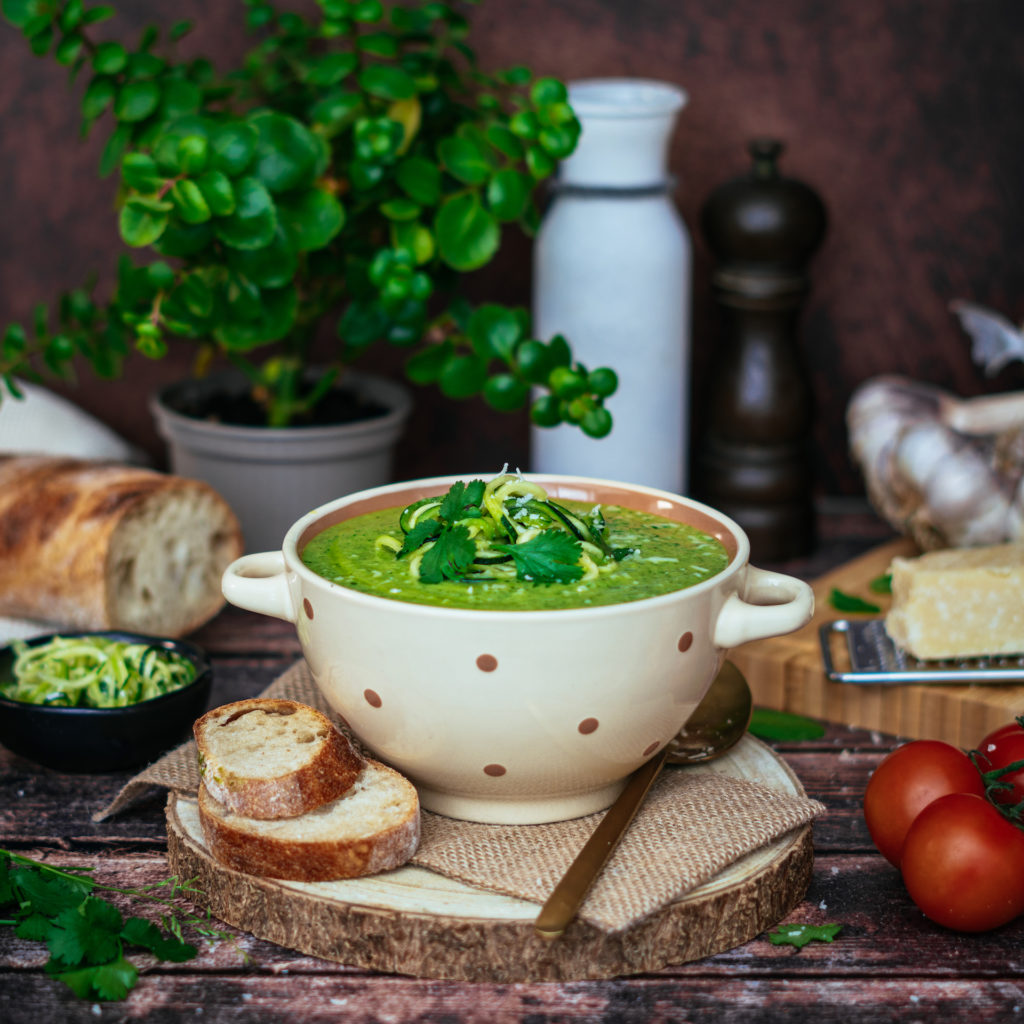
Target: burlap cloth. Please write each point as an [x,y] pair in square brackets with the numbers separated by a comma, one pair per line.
[695,822]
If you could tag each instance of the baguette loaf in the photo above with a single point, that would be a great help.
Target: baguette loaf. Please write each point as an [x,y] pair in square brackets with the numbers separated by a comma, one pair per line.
[94,545]
[959,602]
[373,827]
[265,758]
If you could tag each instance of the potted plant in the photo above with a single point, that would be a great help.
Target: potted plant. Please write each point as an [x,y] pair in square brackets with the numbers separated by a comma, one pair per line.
[352,171]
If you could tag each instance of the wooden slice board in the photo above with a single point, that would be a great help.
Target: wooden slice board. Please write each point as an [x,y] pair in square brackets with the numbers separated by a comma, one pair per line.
[787,673]
[414,921]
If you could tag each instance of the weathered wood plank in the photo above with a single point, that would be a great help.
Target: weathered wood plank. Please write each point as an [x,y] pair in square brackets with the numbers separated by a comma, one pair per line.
[292,995]
[883,932]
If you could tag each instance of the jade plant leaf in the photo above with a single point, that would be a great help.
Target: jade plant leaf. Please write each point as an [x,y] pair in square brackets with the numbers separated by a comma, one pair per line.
[389,83]
[508,192]
[426,365]
[416,237]
[467,235]
[273,266]
[98,95]
[420,179]
[218,193]
[254,222]
[110,58]
[335,110]
[286,152]
[462,376]
[277,316]
[142,221]
[312,218]
[233,147]
[495,331]
[465,160]
[136,101]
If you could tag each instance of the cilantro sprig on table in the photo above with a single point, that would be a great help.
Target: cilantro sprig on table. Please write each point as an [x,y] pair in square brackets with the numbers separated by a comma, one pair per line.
[87,936]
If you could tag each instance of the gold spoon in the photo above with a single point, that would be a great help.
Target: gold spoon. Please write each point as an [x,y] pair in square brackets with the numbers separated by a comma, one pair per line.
[718,723]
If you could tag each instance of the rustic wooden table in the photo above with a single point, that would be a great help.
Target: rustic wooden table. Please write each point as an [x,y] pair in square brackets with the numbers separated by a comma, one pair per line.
[889,963]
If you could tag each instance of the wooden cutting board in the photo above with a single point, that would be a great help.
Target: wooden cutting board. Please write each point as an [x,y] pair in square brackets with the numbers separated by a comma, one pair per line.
[415,921]
[787,673]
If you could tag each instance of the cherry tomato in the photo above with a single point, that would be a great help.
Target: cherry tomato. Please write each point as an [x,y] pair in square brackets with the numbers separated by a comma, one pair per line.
[1000,749]
[963,864]
[906,782]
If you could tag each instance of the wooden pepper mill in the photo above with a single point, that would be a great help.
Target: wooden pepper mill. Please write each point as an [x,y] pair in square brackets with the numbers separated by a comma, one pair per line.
[754,462]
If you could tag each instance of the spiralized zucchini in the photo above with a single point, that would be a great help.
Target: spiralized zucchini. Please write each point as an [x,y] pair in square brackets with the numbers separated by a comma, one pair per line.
[94,672]
[506,529]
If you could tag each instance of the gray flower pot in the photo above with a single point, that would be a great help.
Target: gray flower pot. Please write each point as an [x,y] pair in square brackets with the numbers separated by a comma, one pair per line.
[272,476]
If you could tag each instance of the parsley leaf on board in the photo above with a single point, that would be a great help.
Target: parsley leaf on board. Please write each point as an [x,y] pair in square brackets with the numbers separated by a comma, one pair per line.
[850,602]
[800,934]
[450,557]
[550,557]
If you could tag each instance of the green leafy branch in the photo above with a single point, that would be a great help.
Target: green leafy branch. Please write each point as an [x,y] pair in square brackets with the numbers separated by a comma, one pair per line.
[358,164]
[87,936]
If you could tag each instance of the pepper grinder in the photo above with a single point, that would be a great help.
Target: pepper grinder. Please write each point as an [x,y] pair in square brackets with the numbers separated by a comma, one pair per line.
[754,462]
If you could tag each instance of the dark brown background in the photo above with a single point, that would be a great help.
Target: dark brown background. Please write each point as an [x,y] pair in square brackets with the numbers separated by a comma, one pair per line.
[906,116]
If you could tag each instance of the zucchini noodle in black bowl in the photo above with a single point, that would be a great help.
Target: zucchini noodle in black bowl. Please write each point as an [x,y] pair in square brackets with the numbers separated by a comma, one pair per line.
[157,689]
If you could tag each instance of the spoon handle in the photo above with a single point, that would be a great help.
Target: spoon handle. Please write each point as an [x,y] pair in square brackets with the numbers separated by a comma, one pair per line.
[565,898]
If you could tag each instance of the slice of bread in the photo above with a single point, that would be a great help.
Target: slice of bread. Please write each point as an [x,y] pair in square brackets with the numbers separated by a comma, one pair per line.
[374,827]
[266,758]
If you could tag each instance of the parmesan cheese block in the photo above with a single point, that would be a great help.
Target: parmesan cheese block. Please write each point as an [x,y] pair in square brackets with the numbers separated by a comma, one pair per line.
[959,602]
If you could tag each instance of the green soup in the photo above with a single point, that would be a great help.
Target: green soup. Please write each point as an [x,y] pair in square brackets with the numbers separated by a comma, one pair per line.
[667,556]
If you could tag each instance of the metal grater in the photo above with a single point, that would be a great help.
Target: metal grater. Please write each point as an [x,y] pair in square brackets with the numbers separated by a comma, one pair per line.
[874,658]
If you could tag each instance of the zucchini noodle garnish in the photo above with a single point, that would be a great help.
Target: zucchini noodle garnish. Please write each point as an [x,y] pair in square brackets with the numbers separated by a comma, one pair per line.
[94,672]
[505,529]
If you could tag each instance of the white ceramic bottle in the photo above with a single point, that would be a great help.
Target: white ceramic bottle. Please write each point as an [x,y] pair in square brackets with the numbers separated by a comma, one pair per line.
[612,272]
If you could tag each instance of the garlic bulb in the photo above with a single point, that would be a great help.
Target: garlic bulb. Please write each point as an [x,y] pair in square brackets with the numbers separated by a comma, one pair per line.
[948,472]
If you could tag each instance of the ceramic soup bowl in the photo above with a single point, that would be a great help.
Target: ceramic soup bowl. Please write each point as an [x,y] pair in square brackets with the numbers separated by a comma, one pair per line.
[518,717]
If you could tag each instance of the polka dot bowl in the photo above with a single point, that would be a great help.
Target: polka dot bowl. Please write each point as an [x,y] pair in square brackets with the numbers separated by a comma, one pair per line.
[518,717]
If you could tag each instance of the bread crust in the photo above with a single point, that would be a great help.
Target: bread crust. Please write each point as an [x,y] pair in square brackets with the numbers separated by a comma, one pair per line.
[62,531]
[231,842]
[331,769]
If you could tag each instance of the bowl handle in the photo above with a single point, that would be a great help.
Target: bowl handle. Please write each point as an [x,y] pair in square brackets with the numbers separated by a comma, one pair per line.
[772,604]
[259,583]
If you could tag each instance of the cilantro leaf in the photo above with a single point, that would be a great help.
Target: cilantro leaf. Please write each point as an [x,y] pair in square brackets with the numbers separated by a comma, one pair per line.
[138,931]
[6,885]
[34,928]
[87,933]
[800,934]
[424,530]
[549,557]
[881,584]
[769,724]
[462,501]
[850,603]
[451,556]
[475,492]
[49,894]
[108,981]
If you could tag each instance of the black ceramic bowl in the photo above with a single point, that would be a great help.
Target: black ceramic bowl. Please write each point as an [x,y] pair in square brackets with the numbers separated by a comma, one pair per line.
[104,739]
